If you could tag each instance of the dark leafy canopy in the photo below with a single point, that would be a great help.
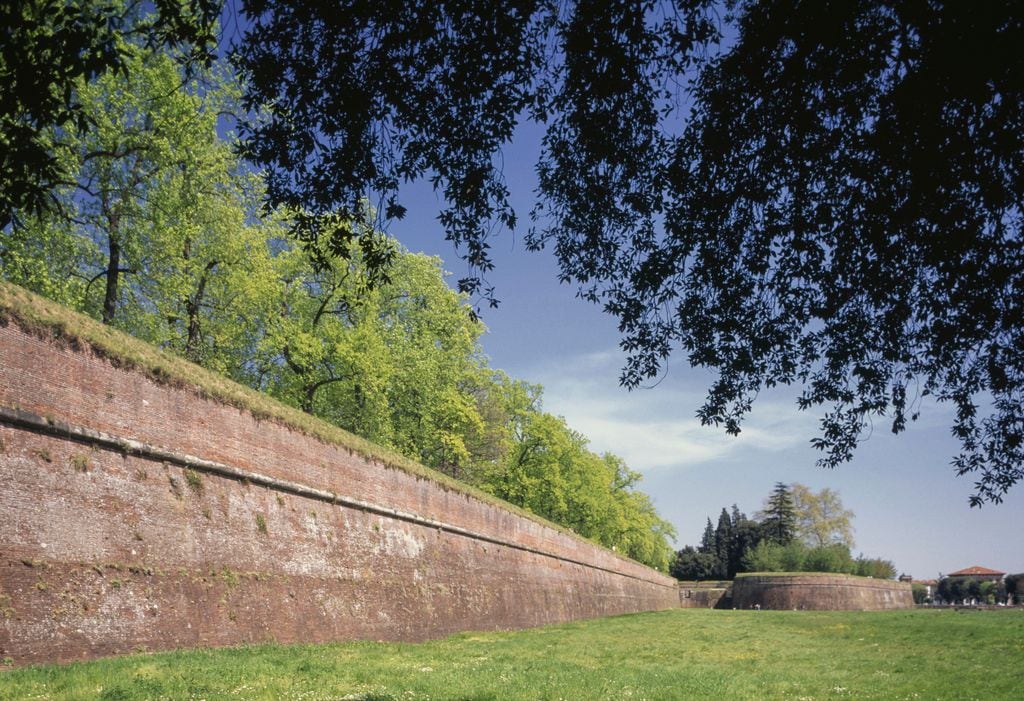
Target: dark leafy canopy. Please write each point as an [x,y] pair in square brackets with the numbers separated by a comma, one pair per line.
[846,212]
[369,94]
[46,47]
[832,200]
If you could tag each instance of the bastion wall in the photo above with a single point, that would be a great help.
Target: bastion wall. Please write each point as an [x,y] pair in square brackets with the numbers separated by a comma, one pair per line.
[138,514]
[705,594]
[820,592]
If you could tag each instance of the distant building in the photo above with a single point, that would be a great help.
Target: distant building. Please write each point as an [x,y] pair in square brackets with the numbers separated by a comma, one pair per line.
[930,587]
[981,574]
[962,587]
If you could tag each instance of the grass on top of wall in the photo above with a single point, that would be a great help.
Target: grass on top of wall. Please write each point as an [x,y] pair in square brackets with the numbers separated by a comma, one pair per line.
[932,655]
[47,319]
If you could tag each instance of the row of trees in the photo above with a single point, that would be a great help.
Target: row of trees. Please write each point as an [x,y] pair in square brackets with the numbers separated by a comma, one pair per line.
[797,530]
[960,590]
[783,193]
[158,230]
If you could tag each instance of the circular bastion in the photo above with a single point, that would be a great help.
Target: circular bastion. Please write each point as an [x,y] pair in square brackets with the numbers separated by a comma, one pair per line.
[819,592]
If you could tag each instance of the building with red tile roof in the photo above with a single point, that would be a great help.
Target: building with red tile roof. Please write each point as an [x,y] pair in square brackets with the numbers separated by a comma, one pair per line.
[956,587]
[977,572]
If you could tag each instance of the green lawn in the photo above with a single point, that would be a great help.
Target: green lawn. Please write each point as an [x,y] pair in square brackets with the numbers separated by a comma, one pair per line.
[682,654]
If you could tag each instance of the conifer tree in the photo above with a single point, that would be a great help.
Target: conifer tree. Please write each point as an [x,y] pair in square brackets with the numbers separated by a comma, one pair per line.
[778,519]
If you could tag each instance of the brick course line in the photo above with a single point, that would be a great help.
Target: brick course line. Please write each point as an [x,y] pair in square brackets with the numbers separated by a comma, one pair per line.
[35,423]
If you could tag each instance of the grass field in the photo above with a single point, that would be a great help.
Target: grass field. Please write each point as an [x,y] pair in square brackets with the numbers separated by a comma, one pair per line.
[681,654]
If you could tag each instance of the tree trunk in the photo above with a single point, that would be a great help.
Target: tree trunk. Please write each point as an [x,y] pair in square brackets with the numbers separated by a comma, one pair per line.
[113,273]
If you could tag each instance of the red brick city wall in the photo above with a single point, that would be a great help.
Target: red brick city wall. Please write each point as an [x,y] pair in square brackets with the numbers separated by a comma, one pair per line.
[106,550]
[820,593]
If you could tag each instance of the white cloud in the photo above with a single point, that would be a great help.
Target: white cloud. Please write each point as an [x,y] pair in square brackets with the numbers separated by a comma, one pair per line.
[656,428]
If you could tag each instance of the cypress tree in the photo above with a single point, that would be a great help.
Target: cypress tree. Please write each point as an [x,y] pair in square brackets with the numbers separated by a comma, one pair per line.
[724,543]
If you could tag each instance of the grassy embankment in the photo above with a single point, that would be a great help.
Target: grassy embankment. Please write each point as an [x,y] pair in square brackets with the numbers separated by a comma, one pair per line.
[681,654]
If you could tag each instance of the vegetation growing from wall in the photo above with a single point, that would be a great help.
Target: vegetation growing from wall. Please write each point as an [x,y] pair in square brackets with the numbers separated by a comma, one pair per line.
[158,232]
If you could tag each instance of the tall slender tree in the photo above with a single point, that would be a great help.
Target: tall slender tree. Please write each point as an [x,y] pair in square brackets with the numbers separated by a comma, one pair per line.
[778,517]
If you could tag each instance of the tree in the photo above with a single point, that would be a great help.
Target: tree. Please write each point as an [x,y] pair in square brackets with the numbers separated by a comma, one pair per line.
[708,543]
[689,564]
[821,519]
[987,592]
[155,231]
[798,204]
[747,533]
[770,556]
[724,544]
[722,550]
[1014,584]
[874,567]
[834,557]
[778,518]
[952,590]
[551,472]
[397,363]
[46,48]
[920,594]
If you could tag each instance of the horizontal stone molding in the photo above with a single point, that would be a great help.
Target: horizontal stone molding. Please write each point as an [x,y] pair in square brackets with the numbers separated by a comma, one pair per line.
[60,429]
[140,514]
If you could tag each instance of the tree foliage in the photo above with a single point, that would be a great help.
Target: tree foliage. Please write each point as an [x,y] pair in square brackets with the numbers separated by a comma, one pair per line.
[829,197]
[796,531]
[551,472]
[778,517]
[722,550]
[920,594]
[821,518]
[1014,584]
[46,48]
[874,567]
[159,232]
[692,564]
[970,591]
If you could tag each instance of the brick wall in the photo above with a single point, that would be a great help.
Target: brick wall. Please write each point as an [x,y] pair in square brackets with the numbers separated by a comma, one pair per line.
[820,593]
[138,515]
[705,595]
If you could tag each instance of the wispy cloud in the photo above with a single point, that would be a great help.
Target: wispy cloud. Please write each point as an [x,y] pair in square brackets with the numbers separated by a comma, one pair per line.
[656,428]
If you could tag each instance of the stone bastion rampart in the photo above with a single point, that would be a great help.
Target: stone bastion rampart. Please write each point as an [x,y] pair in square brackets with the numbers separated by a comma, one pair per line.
[138,513]
[819,592]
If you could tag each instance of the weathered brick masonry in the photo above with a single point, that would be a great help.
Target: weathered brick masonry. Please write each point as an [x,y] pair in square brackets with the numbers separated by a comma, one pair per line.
[705,595]
[817,592]
[138,515]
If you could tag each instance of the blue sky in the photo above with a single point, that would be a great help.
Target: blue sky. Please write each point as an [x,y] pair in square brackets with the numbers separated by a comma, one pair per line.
[910,507]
